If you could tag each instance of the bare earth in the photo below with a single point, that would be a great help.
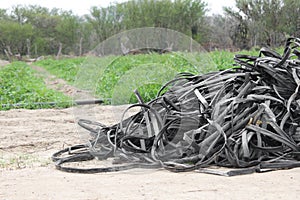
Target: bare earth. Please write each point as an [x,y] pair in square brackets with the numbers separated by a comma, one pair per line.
[3,63]
[28,139]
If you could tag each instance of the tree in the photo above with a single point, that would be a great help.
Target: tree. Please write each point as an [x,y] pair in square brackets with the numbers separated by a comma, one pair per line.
[291,17]
[67,32]
[238,29]
[3,14]
[186,16]
[13,36]
[263,20]
[220,27]
[105,21]
[46,30]
[52,28]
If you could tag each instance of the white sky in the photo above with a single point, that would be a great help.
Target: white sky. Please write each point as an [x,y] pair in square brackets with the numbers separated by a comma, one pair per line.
[81,7]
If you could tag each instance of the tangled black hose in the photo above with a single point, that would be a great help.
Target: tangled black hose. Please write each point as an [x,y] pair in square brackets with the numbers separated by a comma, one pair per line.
[247,118]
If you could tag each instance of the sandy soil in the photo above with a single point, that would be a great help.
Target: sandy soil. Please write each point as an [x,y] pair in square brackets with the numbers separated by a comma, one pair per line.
[3,63]
[28,139]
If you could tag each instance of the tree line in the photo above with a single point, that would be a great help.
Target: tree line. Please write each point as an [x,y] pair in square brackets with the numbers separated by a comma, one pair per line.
[34,30]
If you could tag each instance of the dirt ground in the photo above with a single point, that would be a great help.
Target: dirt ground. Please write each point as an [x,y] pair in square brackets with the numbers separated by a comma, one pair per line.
[3,63]
[28,139]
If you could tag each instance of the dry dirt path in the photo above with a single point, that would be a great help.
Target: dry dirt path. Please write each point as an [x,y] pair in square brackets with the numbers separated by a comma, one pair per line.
[3,63]
[46,183]
[29,137]
[59,84]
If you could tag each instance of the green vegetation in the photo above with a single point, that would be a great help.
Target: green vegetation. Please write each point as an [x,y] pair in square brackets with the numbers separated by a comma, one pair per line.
[19,84]
[110,75]
[152,70]
[66,69]
[262,23]
[34,30]
[225,59]
[112,78]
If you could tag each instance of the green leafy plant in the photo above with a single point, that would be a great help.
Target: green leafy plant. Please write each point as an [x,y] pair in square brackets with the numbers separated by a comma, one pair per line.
[106,76]
[20,85]
[158,67]
[66,69]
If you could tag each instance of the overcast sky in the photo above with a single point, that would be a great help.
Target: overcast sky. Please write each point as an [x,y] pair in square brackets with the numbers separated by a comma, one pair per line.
[81,7]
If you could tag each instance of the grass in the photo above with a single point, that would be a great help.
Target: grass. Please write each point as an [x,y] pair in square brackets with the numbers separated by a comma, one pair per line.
[66,69]
[112,78]
[225,59]
[108,76]
[145,72]
[19,84]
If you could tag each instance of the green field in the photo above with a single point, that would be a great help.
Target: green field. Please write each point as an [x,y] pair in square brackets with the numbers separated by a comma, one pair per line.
[114,78]
[66,68]
[20,85]
[110,78]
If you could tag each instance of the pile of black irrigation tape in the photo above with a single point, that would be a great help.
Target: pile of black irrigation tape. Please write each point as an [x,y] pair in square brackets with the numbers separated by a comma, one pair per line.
[246,118]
